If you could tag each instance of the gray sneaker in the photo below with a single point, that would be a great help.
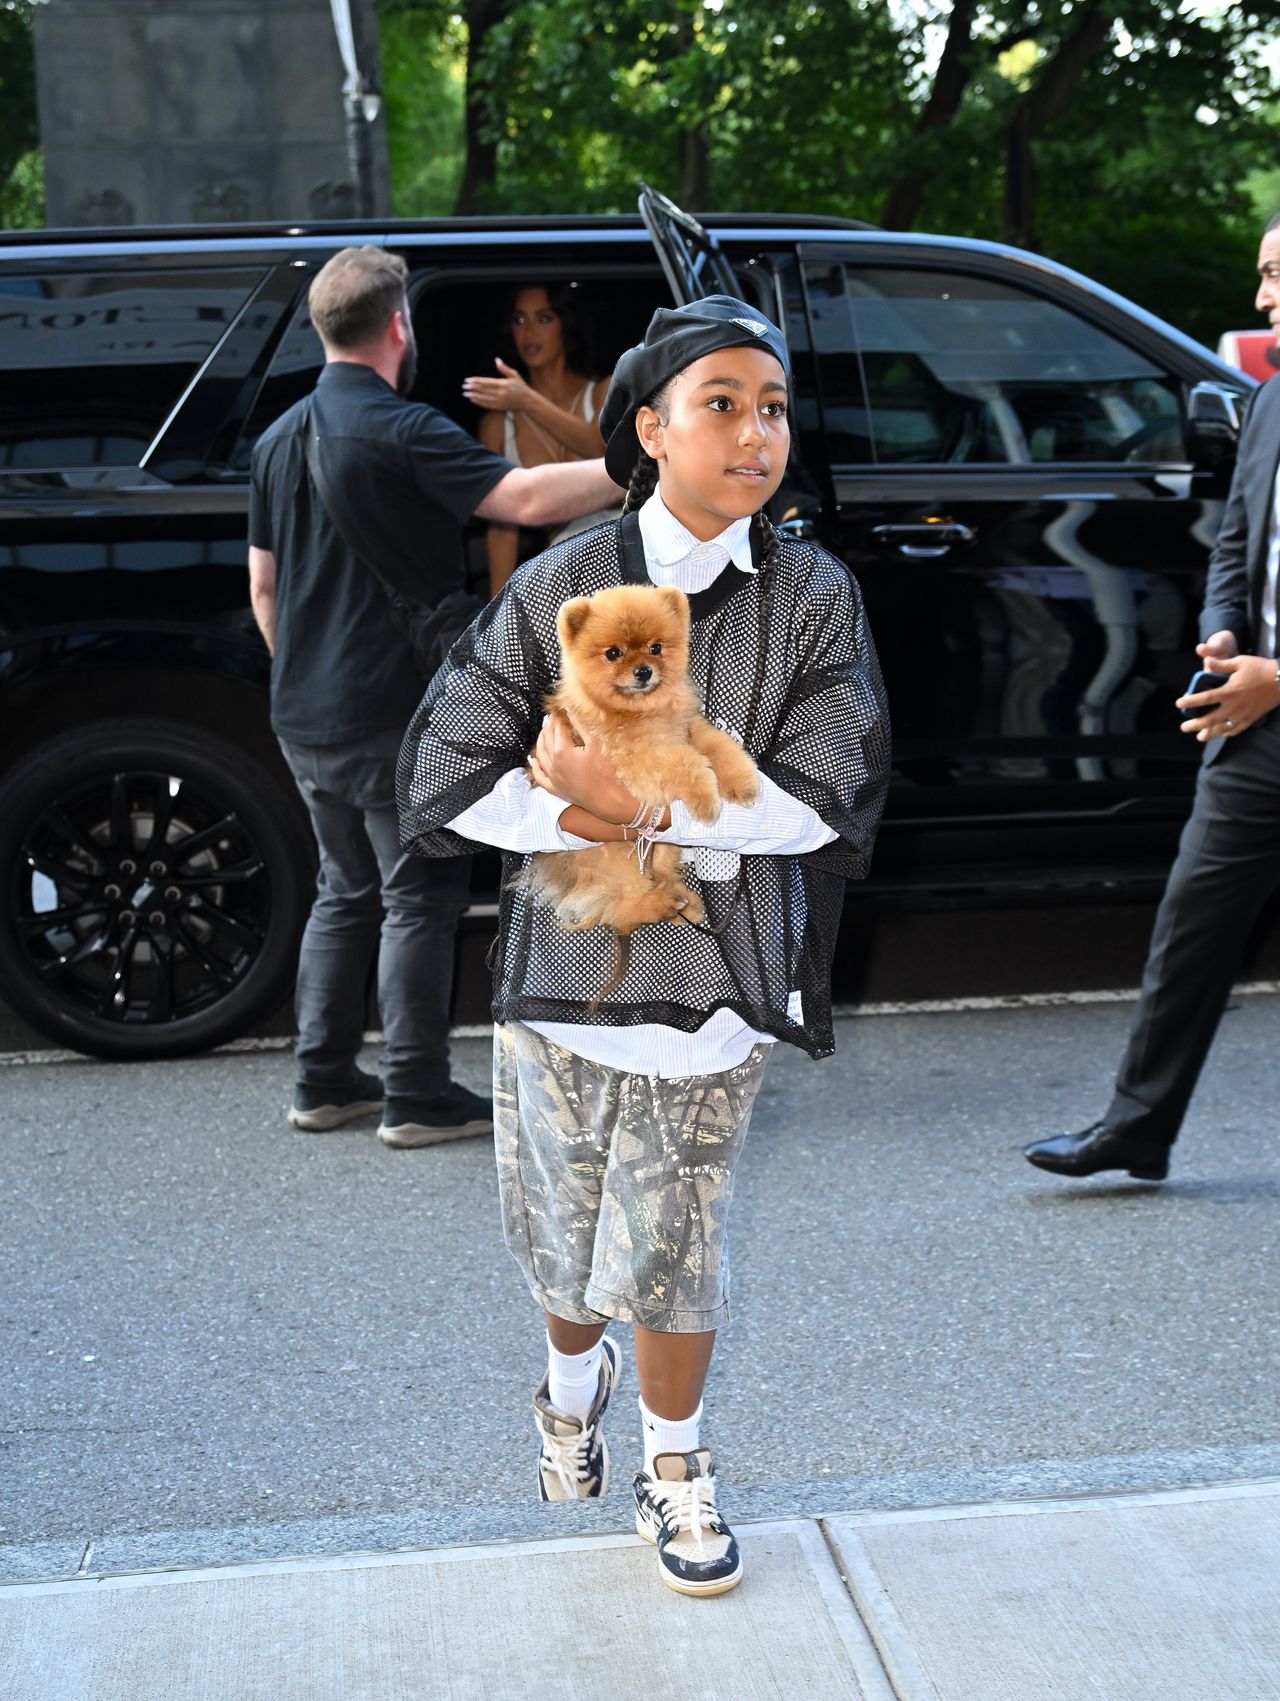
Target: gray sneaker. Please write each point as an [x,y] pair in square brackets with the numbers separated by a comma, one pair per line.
[456,1115]
[315,1110]
[574,1461]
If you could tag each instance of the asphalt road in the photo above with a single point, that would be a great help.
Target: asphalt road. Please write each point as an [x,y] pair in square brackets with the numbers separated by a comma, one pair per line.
[221,1339]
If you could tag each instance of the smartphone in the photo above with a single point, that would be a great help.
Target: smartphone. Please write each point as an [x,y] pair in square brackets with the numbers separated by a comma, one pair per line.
[1204,680]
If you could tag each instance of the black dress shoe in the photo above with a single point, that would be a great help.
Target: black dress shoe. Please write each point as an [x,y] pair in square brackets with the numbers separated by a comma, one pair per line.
[1095,1149]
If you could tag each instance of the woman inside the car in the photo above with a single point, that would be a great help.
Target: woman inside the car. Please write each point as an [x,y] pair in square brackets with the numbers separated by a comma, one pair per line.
[543,405]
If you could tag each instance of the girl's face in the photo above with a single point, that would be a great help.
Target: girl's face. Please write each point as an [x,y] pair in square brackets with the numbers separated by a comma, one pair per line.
[535,326]
[723,449]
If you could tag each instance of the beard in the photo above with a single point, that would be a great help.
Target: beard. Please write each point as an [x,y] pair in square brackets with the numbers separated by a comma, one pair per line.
[407,373]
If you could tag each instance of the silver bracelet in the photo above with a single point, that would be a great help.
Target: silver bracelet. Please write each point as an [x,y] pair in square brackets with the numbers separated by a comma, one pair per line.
[639,820]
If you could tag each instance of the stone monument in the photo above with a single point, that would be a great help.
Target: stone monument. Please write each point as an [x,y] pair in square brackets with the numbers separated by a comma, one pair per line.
[195,111]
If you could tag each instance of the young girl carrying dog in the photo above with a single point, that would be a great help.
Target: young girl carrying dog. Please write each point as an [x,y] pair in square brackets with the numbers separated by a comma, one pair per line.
[619,1123]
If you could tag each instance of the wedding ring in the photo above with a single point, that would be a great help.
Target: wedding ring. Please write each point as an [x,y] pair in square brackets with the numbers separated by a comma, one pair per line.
[1231,726]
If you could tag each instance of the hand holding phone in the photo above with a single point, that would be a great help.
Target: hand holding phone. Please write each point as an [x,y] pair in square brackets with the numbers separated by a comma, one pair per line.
[1203,680]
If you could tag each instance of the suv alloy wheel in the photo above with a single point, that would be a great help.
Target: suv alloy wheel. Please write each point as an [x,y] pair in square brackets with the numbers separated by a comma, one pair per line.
[153,905]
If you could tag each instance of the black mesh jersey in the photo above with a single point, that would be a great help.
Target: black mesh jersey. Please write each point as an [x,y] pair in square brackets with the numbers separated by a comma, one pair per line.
[784,660]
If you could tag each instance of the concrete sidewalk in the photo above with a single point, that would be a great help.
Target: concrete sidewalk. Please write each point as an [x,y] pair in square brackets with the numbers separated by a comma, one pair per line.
[1170,1596]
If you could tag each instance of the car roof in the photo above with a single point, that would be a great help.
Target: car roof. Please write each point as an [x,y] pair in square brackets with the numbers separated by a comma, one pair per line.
[269,239]
[389,229]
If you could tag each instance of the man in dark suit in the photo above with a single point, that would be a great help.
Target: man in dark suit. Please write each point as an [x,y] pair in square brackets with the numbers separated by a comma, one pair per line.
[1228,862]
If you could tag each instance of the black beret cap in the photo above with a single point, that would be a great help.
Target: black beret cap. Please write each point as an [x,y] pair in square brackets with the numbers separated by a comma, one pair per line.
[676,337]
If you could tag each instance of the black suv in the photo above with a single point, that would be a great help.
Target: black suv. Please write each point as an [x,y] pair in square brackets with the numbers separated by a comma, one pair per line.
[1025,472]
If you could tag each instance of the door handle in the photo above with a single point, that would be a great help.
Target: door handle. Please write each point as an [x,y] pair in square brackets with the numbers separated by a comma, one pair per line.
[927,538]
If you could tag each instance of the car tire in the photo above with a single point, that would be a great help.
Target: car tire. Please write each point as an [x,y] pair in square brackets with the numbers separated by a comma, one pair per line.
[156,881]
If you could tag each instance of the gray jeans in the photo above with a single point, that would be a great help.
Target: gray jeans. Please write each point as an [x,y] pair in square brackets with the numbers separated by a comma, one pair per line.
[372,896]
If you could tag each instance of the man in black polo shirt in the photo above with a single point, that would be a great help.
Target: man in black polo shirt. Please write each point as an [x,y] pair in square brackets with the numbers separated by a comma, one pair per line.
[344,685]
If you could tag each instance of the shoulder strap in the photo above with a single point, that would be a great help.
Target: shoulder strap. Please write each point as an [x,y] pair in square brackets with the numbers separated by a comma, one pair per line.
[635,570]
[323,489]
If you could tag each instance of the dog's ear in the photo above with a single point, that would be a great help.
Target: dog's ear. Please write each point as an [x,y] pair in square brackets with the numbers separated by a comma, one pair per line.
[572,617]
[677,602]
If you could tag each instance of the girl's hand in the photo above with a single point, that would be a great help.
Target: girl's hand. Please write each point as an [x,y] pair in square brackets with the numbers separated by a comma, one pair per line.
[507,394]
[1247,693]
[571,765]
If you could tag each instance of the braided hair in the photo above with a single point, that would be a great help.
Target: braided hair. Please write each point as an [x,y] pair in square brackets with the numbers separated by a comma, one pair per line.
[644,475]
[644,481]
[770,542]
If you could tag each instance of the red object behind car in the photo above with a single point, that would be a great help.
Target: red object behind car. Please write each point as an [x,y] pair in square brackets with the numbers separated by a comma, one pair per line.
[1254,352]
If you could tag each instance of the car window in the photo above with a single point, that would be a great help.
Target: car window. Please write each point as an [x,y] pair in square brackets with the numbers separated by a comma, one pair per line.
[92,365]
[294,368]
[921,365]
[458,328]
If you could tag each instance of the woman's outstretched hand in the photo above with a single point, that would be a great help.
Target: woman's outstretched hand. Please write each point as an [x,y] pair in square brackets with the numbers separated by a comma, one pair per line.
[507,394]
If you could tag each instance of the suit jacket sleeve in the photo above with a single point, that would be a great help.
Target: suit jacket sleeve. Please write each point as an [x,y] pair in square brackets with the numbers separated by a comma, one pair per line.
[1227,591]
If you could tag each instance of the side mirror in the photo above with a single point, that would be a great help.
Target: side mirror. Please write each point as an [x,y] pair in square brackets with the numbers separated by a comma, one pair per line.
[1213,414]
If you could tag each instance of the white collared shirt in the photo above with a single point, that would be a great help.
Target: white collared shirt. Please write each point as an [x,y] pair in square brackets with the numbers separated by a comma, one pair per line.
[675,557]
[516,816]
[1267,637]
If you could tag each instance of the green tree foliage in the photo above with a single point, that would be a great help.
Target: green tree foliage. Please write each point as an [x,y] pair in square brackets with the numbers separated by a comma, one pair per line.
[453,87]
[1134,140]
[1120,138]
[21,174]
[1138,172]
[742,104]
[423,49]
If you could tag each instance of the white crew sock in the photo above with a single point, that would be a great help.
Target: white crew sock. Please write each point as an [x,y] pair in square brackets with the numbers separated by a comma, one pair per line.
[668,1435]
[573,1379]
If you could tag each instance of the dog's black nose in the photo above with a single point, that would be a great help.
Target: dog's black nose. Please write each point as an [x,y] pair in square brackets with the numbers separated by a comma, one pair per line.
[644,673]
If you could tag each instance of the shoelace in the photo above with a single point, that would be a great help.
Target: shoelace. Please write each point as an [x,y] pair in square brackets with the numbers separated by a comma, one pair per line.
[569,1459]
[692,1503]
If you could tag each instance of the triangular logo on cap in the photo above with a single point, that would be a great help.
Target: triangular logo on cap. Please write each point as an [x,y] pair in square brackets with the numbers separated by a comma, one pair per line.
[757,327]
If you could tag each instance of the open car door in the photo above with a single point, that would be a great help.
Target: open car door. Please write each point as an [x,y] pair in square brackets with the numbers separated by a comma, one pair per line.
[695,265]
[692,260]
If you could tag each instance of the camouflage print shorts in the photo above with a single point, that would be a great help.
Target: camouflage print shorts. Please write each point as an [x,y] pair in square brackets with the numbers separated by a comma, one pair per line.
[616,1187]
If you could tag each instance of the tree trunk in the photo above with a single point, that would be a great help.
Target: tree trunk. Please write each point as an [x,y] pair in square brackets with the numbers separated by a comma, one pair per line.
[1019,181]
[1036,111]
[902,203]
[480,158]
[693,171]
[692,150]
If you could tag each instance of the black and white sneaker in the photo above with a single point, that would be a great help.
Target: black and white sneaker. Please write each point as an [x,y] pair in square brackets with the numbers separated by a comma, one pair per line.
[457,1114]
[676,1510]
[574,1461]
[317,1110]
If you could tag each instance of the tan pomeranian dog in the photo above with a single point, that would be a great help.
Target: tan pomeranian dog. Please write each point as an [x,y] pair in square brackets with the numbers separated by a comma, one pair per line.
[624,679]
